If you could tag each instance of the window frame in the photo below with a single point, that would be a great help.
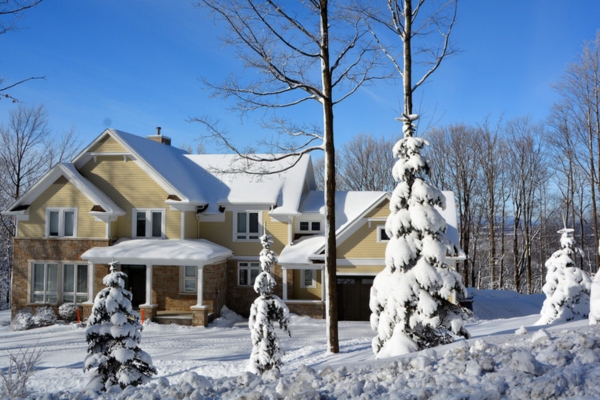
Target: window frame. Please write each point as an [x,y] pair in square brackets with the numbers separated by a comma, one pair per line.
[380,230]
[310,227]
[44,292]
[303,277]
[148,222]
[248,266]
[247,234]
[76,292]
[185,278]
[61,221]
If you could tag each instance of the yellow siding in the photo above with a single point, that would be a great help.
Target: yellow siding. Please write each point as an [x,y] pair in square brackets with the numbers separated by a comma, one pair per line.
[363,242]
[359,269]
[191,225]
[381,211]
[62,194]
[279,231]
[108,145]
[130,187]
[301,293]
[222,233]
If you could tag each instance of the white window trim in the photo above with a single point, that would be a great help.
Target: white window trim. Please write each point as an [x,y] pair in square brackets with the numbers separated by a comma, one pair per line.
[182,279]
[379,238]
[148,212]
[314,279]
[62,266]
[61,221]
[247,265]
[59,276]
[235,225]
[310,226]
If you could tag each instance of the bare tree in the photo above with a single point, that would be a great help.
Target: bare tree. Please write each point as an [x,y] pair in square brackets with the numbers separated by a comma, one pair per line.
[362,163]
[580,109]
[415,24]
[27,151]
[308,51]
[457,161]
[11,11]
[528,176]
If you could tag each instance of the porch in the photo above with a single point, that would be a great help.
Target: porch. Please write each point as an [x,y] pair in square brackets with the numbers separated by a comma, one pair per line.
[167,277]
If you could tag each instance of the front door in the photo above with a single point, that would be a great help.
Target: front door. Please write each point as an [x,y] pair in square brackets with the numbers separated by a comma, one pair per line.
[135,283]
[354,293]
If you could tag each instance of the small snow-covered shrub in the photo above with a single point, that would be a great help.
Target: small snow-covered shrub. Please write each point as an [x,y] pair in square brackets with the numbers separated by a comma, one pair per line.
[68,312]
[44,316]
[21,365]
[22,320]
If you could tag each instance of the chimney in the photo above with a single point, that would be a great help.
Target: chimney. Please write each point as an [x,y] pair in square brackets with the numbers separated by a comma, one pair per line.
[160,138]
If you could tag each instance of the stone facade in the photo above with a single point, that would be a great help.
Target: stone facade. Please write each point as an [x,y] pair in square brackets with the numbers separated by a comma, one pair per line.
[167,294]
[38,249]
[313,309]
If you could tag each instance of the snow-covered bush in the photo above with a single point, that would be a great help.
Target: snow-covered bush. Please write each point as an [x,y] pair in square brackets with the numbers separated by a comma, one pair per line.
[22,320]
[68,311]
[410,298]
[595,300]
[266,309]
[567,287]
[21,366]
[113,335]
[44,316]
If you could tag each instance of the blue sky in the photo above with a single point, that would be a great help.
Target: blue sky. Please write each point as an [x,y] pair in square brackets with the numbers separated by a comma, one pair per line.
[137,64]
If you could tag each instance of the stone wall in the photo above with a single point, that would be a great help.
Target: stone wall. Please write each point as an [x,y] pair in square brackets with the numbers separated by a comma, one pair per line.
[43,249]
[310,309]
[166,288]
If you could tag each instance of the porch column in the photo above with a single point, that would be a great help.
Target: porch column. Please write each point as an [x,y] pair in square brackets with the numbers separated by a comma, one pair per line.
[148,285]
[199,311]
[200,286]
[90,283]
[284,277]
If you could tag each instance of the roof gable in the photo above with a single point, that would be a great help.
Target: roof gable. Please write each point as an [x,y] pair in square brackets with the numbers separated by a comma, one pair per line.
[68,171]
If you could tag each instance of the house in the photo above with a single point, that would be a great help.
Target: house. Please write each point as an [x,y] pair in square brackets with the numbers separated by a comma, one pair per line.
[186,233]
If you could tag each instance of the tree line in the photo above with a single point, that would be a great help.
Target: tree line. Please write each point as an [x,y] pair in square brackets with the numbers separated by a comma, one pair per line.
[516,182]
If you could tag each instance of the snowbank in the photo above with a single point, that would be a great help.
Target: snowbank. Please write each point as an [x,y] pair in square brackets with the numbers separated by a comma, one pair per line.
[559,361]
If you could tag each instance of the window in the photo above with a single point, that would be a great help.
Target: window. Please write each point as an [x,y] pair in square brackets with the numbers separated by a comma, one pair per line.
[190,278]
[310,226]
[247,273]
[148,223]
[382,235]
[75,278]
[247,226]
[45,283]
[61,222]
[308,278]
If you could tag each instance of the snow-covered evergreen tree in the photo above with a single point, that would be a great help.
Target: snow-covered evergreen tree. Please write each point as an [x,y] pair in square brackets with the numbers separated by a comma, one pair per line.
[113,335]
[266,309]
[567,287]
[410,298]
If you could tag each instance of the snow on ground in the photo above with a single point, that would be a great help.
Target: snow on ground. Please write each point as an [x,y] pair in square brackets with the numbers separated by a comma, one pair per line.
[556,361]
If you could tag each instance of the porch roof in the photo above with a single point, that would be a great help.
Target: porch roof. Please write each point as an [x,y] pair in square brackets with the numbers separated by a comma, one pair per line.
[159,252]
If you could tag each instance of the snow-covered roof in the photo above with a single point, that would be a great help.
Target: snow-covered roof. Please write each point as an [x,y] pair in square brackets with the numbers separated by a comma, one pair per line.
[300,252]
[68,170]
[159,252]
[223,185]
[350,207]
[167,164]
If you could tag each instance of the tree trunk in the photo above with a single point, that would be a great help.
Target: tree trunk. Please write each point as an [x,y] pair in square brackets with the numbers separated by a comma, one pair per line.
[330,245]
[407,78]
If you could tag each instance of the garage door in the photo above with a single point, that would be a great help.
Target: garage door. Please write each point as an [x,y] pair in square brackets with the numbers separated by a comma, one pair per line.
[353,298]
